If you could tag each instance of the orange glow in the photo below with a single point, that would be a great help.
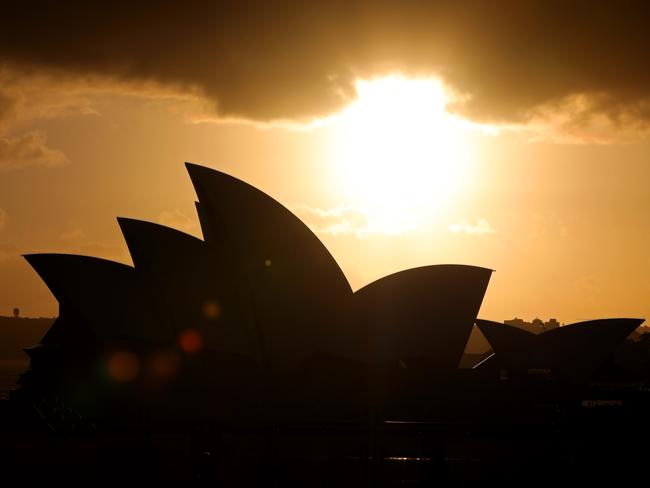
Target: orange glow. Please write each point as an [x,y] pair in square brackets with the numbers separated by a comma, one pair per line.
[211,310]
[399,153]
[123,366]
[164,364]
[190,341]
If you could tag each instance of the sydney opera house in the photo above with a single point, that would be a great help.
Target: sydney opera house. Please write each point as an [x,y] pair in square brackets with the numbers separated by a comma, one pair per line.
[275,316]
[572,353]
[256,324]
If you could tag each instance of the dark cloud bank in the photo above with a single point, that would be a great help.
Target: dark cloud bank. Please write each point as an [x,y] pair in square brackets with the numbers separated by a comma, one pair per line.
[295,60]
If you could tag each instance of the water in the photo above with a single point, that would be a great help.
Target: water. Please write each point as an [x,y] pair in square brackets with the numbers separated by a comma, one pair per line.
[10,370]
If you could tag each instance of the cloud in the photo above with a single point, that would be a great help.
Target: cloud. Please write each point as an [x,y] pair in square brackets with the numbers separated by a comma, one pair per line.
[299,60]
[28,95]
[355,221]
[339,220]
[3,218]
[25,96]
[482,227]
[29,149]
[178,220]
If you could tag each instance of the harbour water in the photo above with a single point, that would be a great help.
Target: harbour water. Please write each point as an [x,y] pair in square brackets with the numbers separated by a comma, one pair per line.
[10,370]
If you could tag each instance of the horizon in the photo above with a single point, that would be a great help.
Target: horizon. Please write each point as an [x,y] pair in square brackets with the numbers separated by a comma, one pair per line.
[328,243]
[399,146]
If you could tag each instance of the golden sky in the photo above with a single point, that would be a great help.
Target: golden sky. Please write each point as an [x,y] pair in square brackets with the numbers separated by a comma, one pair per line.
[512,137]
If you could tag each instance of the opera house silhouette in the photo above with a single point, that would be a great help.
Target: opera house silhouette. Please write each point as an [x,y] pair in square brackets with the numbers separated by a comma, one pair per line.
[572,353]
[256,329]
[276,317]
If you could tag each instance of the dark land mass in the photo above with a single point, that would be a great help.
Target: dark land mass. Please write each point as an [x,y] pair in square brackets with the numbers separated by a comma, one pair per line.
[16,333]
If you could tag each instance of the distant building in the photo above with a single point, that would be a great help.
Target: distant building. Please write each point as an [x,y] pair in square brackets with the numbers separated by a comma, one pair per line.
[552,324]
[516,322]
[571,353]
[537,326]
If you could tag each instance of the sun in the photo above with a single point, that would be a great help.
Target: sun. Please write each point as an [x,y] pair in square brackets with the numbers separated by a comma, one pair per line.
[399,154]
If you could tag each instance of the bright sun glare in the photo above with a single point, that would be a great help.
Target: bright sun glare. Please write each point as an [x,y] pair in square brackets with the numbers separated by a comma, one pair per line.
[399,153]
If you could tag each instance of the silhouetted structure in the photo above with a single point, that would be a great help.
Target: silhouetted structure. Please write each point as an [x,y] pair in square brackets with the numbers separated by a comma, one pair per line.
[275,326]
[16,312]
[422,317]
[249,350]
[570,353]
[16,333]
[537,326]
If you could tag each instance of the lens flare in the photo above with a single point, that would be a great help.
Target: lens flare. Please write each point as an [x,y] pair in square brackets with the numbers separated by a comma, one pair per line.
[164,364]
[123,366]
[190,341]
[211,310]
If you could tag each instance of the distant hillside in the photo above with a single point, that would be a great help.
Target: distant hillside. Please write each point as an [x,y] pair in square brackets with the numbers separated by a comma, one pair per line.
[17,333]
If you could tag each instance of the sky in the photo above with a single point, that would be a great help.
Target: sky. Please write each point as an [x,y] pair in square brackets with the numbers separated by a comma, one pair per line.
[509,134]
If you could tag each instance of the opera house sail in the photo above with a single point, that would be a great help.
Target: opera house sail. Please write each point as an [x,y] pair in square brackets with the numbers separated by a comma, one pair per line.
[298,294]
[258,312]
[247,353]
[570,353]
[422,316]
[257,321]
